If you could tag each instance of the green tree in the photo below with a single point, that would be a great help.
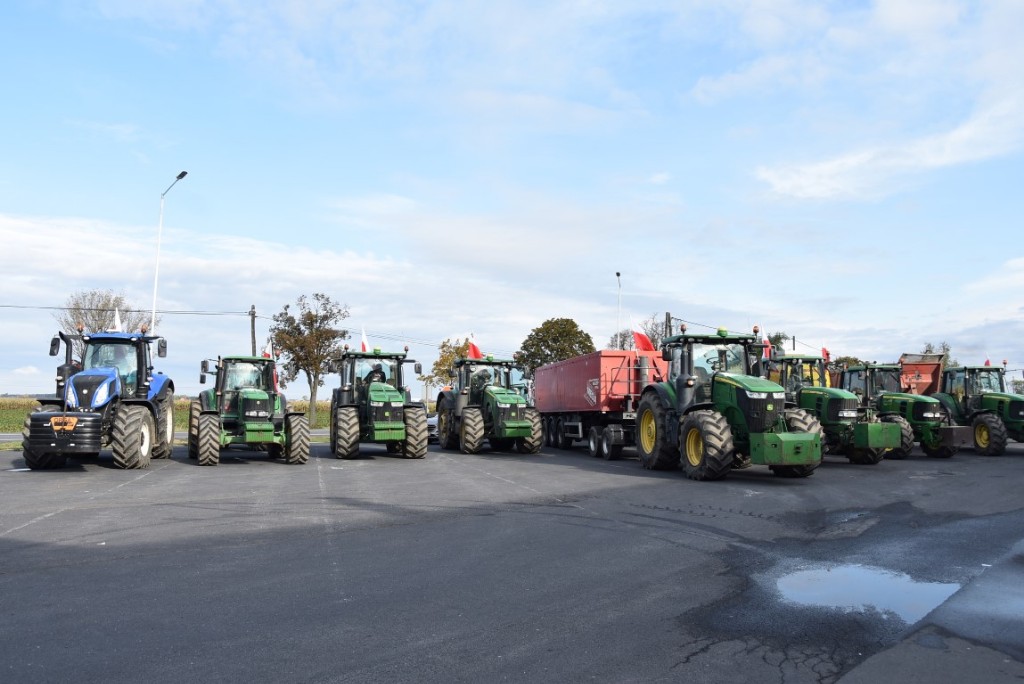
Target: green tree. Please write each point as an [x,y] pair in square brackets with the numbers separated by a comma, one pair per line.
[554,340]
[844,361]
[308,340]
[448,351]
[95,310]
[942,348]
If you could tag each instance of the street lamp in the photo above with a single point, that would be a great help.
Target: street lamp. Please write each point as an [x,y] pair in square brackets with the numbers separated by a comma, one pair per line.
[618,312]
[159,234]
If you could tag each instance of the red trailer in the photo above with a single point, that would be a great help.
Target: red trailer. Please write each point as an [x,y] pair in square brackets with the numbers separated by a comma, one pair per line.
[594,398]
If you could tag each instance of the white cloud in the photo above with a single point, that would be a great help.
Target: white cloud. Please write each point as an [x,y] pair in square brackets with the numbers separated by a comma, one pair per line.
[660,178]
[26,370]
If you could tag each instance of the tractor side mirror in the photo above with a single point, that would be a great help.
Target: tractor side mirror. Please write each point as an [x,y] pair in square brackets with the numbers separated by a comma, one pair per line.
[161,348]
[332,366]
[54,346]
[418,368]
[666,354]
[202,378]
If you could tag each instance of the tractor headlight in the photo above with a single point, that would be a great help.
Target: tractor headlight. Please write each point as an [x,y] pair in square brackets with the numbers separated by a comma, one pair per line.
[501,405]
[848,413]
[757,395]
[376,403]
[72,397]
[934,415]
[779,395]
[102,394]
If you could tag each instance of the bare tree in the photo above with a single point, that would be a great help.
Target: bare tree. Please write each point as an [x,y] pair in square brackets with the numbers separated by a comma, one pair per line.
[95,310]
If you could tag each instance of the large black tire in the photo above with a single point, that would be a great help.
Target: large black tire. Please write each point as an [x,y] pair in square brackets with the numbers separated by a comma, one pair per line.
[594,445]
[164,427]
[906,437]
[296,439]
[799,420]
[533,443]
[609,449]
[35,460]
[208,439]
[865,456]
[471,436]
[549,431]
[194,409]
[653,446]
[447,433]
[416,438]
[706,445]
[346,430]
[133,436]
[562,440]
[990,434]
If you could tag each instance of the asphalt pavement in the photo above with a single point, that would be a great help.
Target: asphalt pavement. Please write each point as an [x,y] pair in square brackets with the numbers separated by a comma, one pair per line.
[508,567]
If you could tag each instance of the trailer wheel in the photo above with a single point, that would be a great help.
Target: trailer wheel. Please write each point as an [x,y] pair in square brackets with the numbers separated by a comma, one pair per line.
[208,439]
[655,450]
[594,446]
[296,439]
[35,460]
[132,438]
[471,436]
[906,437]
[989,434]
[194,409]
[164,443]
[415,444]
[549,431]
[609,449]
[346,430]
[533,443]
[705,440]
[562,440]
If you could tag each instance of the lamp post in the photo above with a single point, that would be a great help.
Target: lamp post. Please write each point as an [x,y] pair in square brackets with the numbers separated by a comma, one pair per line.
[618,312]
[159,234]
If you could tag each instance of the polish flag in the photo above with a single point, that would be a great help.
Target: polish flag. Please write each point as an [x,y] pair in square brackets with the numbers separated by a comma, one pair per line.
[117,320]
[641,341]
[364,345]
[268,351]
[988,362]
[767,343]
[474,351]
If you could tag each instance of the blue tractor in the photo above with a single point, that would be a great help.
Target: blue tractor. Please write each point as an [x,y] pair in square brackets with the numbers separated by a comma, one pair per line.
[112,399]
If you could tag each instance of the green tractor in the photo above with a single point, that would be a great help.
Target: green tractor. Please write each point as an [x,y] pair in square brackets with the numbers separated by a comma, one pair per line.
[976,396]
[372,405]
[849,429]
[244,408]
[719,415]
[484,403]
[920,418]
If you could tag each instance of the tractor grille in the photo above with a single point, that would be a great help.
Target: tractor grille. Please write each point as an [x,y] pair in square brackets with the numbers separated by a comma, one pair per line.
[837,405]
[510,412]
[85,389]
[922,407]
[1016,410]
[256,408]
[758,414]
[389,414]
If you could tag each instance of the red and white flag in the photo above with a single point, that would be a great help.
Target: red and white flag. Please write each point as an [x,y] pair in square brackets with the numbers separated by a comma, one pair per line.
[364,345]
[766,341]
[474,351]
[641,341]
[268,351]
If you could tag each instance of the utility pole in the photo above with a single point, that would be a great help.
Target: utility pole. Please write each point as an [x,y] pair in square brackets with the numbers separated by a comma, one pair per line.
[252,327]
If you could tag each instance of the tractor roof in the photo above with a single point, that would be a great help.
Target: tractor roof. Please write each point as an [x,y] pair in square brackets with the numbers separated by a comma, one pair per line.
[804,358]
[991,369]
[723,336]
[246,359]
[876,366]
[487,361]
[375,354]
[118,337]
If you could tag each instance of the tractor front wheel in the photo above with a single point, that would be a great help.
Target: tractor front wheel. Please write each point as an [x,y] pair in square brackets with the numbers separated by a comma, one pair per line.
[34,460]
[134,434]
[653,447]
[865,456]
[296,439]
[194,410]
[990,435]
[346,431]
[705,441]
[906,437]
[164,444]
[208,439]
[533,443]
[471,436]
[447,435]
[415,444]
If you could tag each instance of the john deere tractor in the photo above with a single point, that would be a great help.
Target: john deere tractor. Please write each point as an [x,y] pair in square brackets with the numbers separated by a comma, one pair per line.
[715,411]
[373,405]
[849,429]
[484,404]
[976,396]
[920,418]
[245,408]
[113,399]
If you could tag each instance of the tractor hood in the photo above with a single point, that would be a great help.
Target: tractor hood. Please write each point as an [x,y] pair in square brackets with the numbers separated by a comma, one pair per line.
[383,392]
[751,383]
[502,395]
[828,393]
[92,388]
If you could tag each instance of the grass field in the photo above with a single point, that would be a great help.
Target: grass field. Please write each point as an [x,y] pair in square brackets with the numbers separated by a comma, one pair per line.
[14,409]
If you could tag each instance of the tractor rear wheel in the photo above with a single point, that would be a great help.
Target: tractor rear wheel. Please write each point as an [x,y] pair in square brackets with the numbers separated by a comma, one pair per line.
[447,435]
[653,446]
[471,436]
[609,449]
[705,442]
[194,409]
[533,443]
[346,431]
[133,436]
[296,439]
[989,434]
[208,439]
[415,444]
[906,437]
[33,459]
[594,446]
[164,443]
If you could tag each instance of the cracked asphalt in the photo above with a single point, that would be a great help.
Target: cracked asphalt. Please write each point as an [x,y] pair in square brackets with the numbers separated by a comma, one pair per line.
[502,567]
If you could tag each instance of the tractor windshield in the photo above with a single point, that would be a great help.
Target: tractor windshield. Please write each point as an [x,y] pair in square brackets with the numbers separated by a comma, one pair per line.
[244,374]
[988,381]
[114,355]
[711,358]
[887,380]
[377,370]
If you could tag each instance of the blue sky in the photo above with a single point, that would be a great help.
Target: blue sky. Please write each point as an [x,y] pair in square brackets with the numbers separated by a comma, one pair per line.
[847,172]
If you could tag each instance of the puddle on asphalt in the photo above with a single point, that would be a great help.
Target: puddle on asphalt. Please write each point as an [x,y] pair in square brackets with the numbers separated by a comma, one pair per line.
[860,588]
